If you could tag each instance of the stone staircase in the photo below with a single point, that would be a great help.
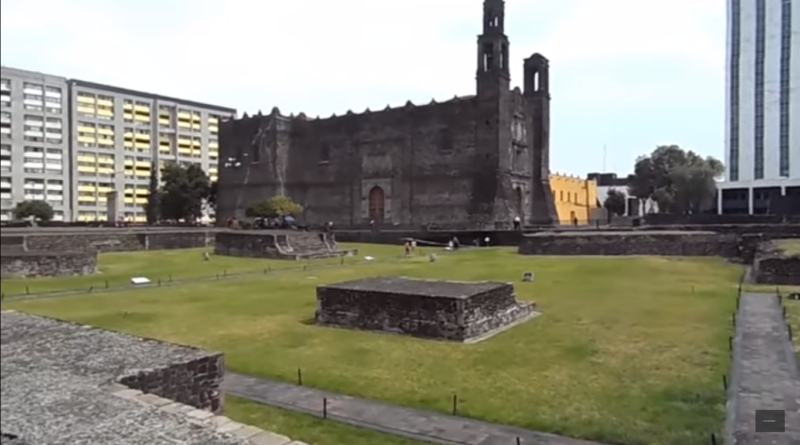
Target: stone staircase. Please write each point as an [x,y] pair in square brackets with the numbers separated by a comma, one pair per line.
[308,245]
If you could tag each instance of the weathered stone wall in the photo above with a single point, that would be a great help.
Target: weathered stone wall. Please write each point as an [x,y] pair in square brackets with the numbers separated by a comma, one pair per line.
[773,266]
[195,383]
[631,243]
[110,240]
[427,316]
[18,263]
[278,244]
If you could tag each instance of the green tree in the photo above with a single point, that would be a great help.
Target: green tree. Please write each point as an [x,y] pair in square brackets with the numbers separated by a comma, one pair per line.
[678,181]
[615,202]
[183,192]
[274,207]
[153,206]
[38,210]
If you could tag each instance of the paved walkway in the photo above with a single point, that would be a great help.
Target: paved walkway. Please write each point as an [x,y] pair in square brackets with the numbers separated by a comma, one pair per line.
[412,423]
[764,373]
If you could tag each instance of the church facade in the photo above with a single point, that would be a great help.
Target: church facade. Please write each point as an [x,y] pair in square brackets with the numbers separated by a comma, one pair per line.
[477,160]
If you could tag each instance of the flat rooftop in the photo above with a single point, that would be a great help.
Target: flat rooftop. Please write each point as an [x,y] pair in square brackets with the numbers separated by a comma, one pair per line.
[418,286]
[608,233]
[53,377]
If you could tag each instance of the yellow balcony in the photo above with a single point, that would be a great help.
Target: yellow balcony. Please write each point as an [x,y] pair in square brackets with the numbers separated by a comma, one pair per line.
[141,192]
[196,143]
[103,131]
[196,127]
[127,107]
[105,102]
[140,218]
[197,153]
[85,129]
[141,109]
[213,178]
[106,113]
[128,116]
[144,164]
[86,139]
[87,169]
[87,158]
[129,172]
[127,144]
[105,170]
[141,118]
[106,161]
[184,151]
[144,173]
[142,137]
[140,201]
[163,149]
[87,188]
[86,110]
[85,100]
[183,124]
[184,115]
[129,162]
[85,218]
[85,199]
[213,121]
[102,199]
[163,121]
[128,200]
[105,141]
[104,189]
[212,170]
[214,145]
[213,129]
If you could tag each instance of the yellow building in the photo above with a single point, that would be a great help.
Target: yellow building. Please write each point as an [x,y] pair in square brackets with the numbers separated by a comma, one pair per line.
[119,135]
[575,198]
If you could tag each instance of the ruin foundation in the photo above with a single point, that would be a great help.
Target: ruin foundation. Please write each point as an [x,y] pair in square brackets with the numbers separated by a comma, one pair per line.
[444,310]
[278,244]
[645,242]
[18,264]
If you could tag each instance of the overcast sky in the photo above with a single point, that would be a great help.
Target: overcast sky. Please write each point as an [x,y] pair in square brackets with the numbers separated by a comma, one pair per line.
[625,74]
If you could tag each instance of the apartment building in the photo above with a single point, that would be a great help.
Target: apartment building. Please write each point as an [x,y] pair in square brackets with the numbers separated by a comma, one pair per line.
[70,142]
[121,137]
[34,141]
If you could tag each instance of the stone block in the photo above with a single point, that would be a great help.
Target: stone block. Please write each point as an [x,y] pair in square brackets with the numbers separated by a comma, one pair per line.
[47,263]
[278,244]
[269,438]
[444,310]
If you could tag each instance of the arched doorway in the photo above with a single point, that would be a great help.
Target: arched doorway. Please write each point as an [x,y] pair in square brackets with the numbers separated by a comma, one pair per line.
[518,201]
[377,204]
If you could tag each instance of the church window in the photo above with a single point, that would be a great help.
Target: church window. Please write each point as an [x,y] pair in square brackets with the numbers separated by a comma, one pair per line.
[325,154]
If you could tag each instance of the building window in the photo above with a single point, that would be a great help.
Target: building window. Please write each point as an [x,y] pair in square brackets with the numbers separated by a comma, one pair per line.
[785,92]
[758,146]
[733,93]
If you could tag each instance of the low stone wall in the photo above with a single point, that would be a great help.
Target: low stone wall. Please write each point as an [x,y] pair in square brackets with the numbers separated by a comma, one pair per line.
[111,240]
[439,310]
[773,266]
[196,383]
[17,264]
[631,243]
[277,244]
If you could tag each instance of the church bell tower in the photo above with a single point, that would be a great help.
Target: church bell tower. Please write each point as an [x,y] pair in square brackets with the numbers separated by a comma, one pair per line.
[493,73]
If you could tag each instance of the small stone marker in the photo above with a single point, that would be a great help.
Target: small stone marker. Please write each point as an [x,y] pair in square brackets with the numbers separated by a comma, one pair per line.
[527,277]
[432,258]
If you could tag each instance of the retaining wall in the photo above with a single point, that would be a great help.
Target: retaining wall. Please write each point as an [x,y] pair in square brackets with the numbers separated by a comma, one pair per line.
[17,263]
[773,266]
[109,240]
[631,243]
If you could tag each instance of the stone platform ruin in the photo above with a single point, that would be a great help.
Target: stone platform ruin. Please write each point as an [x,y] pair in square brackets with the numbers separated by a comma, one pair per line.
[66,384]
[635,242]
[459,311]
[15,263]
[277,244]
[773,265]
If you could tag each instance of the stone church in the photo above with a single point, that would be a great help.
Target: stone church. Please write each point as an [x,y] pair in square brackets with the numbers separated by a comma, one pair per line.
[477,160]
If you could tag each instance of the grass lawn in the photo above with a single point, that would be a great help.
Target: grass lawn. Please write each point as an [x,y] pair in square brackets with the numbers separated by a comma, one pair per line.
[116,269]
[628,349]
[790,246]
[306,428]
